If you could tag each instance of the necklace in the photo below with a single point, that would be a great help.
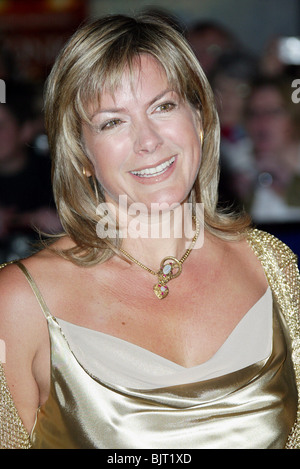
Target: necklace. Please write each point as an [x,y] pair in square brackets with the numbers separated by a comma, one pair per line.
[170,267]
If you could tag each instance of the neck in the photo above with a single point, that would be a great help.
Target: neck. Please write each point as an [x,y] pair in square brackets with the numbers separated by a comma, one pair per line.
[151,238]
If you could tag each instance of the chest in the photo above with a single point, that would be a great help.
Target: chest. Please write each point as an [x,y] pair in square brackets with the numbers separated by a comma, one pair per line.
[187,327]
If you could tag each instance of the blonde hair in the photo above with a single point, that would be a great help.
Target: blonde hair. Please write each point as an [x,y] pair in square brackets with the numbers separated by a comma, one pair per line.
[96,56]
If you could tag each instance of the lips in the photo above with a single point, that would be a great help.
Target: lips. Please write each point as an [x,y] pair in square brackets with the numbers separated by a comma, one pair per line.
[154,171]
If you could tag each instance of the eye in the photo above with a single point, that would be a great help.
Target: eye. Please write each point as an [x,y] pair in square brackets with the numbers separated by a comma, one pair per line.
[166,107]
[110,124]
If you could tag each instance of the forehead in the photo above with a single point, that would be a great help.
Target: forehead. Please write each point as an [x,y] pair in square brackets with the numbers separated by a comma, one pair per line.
[141,79]
[144,79]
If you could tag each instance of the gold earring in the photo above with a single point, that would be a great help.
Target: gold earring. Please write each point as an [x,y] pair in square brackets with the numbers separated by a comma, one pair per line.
[86,172]
[201,137]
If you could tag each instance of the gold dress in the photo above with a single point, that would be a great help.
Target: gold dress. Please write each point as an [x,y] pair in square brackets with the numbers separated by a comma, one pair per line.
[253,407]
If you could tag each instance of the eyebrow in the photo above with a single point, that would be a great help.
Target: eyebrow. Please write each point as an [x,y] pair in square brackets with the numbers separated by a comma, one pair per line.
[122,109]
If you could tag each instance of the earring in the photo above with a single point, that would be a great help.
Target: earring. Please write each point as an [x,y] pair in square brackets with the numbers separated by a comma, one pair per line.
[86,172]
[201,137]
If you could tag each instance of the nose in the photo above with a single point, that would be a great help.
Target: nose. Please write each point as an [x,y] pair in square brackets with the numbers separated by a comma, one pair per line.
[147,138]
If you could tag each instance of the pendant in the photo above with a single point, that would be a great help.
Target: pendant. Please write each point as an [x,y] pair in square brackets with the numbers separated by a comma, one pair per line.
[170,268]
[161,291]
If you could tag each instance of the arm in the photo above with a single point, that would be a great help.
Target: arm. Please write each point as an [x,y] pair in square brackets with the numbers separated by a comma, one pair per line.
[20,330]
[280,265]
[13,434]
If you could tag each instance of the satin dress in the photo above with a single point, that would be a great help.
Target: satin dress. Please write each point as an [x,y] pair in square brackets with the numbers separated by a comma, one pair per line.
[144,401]
[252,407]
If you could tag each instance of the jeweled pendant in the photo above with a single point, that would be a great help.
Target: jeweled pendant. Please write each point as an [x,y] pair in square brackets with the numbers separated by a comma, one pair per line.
[170,268]
[161,291]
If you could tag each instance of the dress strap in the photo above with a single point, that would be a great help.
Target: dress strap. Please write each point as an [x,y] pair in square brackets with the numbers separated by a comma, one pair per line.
[35,289]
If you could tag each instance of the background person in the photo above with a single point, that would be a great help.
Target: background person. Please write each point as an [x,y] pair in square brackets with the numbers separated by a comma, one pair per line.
[270,187]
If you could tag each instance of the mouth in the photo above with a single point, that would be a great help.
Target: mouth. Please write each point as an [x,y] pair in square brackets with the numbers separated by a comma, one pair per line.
[155,171]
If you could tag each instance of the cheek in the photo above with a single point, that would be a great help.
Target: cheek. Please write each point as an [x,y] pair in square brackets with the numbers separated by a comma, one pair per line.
[186,133]
[285,128]
[100,159]
[109,152]
[97,159]
[191,136]
[108,168]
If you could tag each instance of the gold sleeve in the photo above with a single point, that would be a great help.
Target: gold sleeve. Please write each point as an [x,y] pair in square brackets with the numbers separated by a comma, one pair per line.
[293,279]
[281,268]
[13,434]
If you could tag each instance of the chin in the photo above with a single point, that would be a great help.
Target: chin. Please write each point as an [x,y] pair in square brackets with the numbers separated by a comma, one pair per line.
[165,202]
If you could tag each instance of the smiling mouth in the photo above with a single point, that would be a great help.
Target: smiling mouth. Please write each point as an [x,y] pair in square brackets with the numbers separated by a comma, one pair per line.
[156,171]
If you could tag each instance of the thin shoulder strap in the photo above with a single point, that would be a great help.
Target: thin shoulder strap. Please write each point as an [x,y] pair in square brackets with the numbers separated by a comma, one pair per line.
[35,289]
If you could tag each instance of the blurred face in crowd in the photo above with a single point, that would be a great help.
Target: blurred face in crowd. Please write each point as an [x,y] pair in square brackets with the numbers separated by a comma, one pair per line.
[12,139]
[269,124]
[230,96]
[208,45]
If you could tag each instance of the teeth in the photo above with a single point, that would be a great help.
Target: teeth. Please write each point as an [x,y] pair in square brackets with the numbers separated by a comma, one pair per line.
[150,172]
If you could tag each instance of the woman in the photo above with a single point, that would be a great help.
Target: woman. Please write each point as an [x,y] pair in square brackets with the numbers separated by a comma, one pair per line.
[154,344]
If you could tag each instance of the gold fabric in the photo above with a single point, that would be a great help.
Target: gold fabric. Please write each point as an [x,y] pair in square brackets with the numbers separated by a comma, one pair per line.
[13,434]
[255,407]
[252,408]
[280,266]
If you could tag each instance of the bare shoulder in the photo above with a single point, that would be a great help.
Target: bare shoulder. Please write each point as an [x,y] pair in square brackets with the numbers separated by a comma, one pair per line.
[246,262]
[16,298]
[22,323]
[24,333]
[22,330]
[239,260]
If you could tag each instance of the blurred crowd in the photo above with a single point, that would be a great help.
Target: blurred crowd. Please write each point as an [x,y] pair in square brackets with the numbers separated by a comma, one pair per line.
[260,126]
[27,209]
[260,140]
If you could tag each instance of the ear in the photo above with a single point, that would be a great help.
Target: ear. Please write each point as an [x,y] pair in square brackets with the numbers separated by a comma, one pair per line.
[87,168]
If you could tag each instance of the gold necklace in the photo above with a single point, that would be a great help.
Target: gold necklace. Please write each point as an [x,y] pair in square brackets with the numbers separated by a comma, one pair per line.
[170,267]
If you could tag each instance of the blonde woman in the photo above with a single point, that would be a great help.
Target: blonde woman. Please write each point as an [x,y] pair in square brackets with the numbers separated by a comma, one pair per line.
[114,337]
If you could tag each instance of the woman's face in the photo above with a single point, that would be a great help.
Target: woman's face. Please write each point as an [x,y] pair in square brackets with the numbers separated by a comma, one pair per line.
[145,141]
